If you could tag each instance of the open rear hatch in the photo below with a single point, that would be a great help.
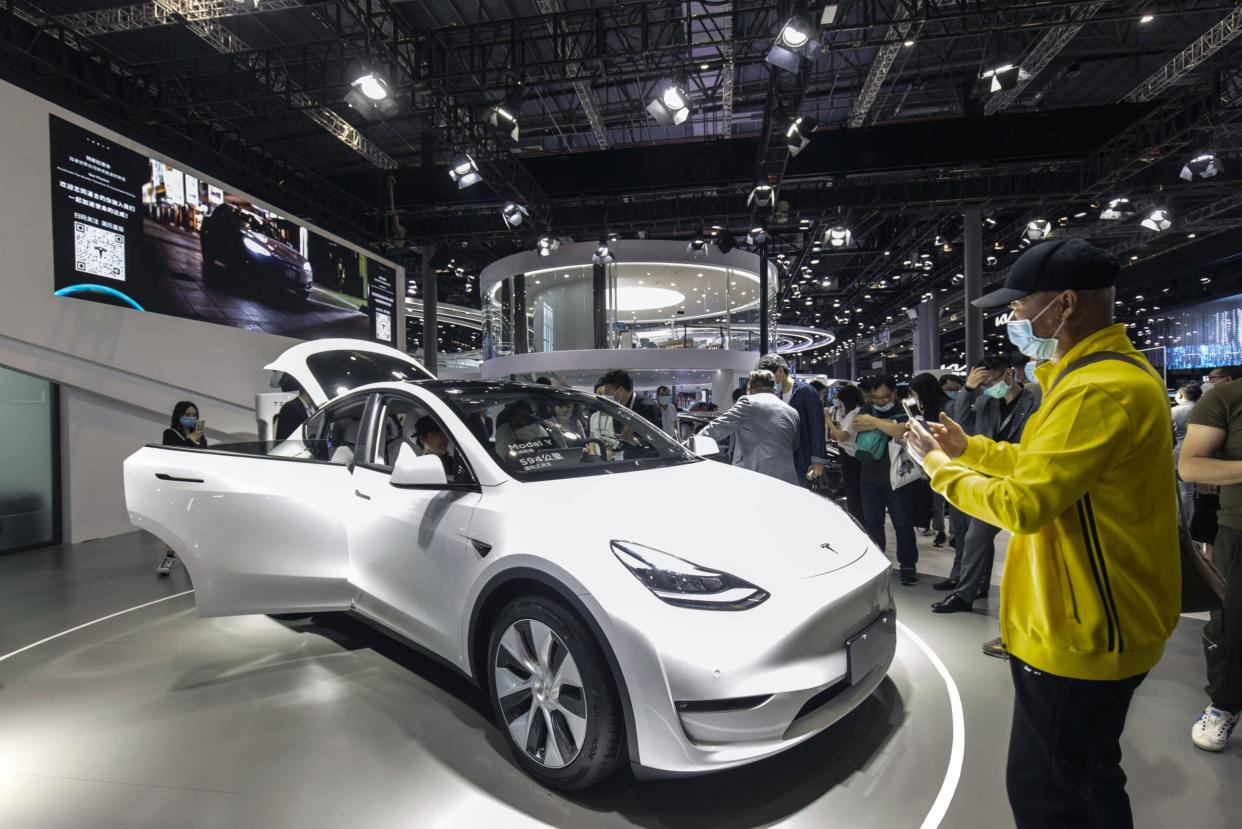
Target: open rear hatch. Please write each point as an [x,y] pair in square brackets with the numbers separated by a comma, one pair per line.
[329,368]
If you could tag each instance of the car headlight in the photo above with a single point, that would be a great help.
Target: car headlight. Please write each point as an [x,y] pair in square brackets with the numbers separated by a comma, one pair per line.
[684,583]
[306,266]
[255,247]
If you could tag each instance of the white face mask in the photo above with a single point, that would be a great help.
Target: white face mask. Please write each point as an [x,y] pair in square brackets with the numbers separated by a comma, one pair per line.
[1022,335]
[1208,386]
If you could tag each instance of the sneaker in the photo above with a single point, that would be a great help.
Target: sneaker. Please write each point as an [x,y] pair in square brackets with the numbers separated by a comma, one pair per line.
[996,647]
[940,539]
[166,565]
[1211,732]
[951,541]
[909,577]
[924,530]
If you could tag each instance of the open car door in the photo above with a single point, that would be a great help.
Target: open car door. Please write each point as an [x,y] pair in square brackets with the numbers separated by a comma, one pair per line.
[257,532]
[326,369]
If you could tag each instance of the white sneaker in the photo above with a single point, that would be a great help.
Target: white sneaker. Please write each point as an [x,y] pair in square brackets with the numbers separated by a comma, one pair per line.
[166,566]
[1211,732]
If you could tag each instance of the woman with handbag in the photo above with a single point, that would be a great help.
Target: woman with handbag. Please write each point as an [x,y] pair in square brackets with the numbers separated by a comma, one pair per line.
[841,427]
[883,424]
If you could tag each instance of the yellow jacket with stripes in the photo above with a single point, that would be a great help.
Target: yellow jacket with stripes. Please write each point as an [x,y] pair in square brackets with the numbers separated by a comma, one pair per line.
[1092,581]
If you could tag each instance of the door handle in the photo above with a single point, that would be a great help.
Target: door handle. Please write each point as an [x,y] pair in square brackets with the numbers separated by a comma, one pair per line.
[164,476]
[362,495]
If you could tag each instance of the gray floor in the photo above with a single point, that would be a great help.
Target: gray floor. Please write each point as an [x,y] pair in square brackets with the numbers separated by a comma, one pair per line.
[157,718]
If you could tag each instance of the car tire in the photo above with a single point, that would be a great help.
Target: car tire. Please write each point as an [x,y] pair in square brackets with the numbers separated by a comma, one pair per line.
[563,701]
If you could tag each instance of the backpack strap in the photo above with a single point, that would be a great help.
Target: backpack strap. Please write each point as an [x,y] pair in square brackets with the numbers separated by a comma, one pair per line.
[1099,357]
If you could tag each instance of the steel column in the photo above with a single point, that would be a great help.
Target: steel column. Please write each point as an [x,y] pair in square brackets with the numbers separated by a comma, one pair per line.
[974,284]
[431,328]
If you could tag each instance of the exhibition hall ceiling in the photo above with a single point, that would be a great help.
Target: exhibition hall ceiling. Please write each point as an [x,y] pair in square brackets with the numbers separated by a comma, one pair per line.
[660,118]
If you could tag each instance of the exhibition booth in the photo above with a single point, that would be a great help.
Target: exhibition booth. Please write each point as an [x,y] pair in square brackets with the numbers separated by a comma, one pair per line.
[667,312]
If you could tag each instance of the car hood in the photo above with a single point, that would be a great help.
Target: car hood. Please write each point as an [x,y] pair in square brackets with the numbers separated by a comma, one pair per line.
[718,516]
[278,248]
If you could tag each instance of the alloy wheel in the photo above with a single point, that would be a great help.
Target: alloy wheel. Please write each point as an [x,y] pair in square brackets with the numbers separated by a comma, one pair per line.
[540,693]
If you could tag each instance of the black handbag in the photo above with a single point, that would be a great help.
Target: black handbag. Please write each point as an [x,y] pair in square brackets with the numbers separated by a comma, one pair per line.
[1203,587]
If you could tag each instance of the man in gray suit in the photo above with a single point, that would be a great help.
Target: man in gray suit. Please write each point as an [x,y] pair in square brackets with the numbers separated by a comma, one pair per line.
[763,427]
[996,403]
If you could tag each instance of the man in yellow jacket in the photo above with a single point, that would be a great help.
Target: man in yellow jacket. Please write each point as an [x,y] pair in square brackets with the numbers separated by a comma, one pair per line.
[1091,588]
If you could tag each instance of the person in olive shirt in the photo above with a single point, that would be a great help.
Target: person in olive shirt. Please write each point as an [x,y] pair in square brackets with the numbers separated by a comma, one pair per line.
[1212,454]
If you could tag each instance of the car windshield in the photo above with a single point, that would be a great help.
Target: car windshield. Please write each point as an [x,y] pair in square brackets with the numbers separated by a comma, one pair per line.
[538,433]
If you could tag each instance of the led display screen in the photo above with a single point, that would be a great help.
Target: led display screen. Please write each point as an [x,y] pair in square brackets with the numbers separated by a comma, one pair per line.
[138,232]
[1201,336]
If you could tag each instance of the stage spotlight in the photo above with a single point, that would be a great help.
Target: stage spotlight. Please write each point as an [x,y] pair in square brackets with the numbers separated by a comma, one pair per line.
[1118,209]
[1203,165]
[372,86]
[671,107]
[760,197]
[465,172]
[1005,76]
[838,237]
[1158,220]
[547,245]
[697,247]
[503,121]
[1036,230]
[757,236]
[989,222]
[514,214]
[799,134]
[603,255]
[798,40]
[370,91]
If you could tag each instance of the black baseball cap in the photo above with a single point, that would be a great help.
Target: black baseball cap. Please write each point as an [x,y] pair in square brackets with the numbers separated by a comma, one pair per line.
[1057,265]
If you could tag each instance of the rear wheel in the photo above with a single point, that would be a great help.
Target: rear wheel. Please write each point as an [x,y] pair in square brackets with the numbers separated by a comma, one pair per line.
[553,696]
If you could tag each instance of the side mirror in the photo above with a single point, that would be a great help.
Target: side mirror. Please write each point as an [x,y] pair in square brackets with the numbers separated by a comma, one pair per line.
[417,470]
[703,447]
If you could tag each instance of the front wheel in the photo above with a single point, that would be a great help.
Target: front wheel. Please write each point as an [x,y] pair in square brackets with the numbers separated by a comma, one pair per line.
[552,695]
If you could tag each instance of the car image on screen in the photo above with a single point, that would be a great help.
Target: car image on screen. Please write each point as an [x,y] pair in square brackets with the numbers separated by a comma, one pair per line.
[553,547]
[242,250]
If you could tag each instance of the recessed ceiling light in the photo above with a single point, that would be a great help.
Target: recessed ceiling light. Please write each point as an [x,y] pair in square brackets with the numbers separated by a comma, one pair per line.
[1147,18]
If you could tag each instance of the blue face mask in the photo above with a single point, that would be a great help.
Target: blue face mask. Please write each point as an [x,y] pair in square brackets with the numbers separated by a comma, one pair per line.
[997,390]
[951,394]
[188,423]
[1030,371]
[664,400]
[1022,335]
[885,408]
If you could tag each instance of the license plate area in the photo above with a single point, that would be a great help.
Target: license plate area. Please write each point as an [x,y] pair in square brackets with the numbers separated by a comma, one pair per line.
[873,645]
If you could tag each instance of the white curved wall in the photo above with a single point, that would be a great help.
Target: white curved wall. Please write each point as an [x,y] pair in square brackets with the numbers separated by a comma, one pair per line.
[626,250]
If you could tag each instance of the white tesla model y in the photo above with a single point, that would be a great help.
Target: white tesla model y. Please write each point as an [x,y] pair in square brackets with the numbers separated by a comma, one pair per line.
[618,597]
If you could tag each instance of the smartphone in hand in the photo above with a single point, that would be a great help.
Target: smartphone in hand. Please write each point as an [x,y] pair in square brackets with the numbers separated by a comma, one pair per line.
[912,411]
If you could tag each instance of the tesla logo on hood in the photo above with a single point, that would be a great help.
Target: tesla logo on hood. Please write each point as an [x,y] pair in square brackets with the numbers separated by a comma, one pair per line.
[827,546]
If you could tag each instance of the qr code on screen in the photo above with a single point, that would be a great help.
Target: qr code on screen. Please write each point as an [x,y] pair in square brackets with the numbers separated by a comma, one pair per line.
[383,327]
[98,252]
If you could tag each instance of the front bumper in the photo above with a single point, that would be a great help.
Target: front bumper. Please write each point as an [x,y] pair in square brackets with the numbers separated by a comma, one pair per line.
[711,690]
